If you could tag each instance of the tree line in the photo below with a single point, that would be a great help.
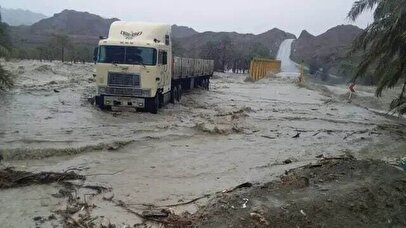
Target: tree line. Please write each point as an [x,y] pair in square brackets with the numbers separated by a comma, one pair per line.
[58,47]
[228,55]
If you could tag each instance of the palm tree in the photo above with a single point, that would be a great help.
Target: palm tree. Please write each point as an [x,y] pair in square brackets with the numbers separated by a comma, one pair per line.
[61,42]
[384,44]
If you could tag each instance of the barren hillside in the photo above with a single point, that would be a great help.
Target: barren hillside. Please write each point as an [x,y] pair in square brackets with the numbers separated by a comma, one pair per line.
[85,28]
[327,49]
[82,27]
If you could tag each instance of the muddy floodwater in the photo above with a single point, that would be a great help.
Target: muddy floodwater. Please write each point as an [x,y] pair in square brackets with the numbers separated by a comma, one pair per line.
[213,140]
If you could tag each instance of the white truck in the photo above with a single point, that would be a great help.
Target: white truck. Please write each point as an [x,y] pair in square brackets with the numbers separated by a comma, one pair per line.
[135,67]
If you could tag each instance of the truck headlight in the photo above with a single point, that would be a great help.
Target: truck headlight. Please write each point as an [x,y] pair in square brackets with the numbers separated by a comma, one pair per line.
[146,92]
[101,90]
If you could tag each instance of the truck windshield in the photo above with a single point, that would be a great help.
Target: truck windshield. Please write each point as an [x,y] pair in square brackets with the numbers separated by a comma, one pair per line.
[127,55]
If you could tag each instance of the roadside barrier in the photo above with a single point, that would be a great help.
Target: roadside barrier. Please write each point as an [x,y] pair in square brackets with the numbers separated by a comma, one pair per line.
[302,73]
[259,68]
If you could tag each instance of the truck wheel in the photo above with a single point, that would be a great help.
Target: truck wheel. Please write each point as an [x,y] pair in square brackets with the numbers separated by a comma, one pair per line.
[99,101]
[105,107]
[153,104]
[179,95]
[174,94]
[204,83]
[161,100]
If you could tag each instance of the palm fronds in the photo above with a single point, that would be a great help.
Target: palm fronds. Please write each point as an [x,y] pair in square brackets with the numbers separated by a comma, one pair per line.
[360,6]
[384,44]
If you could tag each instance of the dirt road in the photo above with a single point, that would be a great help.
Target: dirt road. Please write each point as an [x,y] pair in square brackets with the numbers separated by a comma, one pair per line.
[213,140]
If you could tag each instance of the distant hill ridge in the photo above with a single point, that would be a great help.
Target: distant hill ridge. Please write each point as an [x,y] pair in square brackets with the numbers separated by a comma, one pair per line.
[182,31]
[270,39]
[74,23]
[326,50]
[16,17]
[85,28]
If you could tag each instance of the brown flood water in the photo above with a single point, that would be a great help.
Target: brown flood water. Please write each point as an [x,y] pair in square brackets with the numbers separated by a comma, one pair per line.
[211,141]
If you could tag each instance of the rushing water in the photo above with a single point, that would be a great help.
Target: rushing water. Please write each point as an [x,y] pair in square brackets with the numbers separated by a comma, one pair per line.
[213,140]
[284,55]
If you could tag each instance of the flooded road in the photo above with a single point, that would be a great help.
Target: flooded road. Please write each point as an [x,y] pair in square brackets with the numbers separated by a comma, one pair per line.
[213,140]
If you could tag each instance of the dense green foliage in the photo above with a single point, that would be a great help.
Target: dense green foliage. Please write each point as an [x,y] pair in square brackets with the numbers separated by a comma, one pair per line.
[228,56]
[58,47]
[6,79]
[384,44]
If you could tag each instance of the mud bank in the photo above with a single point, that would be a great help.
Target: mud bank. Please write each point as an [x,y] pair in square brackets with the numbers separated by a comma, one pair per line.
[213,140]
[340,192]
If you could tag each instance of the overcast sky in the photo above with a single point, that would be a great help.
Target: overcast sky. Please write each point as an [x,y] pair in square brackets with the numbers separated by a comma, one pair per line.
[244,16]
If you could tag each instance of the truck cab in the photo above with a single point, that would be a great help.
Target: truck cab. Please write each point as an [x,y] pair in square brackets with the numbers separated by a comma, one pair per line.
[133,66]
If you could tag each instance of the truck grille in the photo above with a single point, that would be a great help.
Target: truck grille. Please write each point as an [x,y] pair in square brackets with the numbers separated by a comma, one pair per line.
[123,80]
[123,91]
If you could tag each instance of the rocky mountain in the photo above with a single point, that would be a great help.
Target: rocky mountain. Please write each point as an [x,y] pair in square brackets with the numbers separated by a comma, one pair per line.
[270,39]
[182,31]
[84,28]
[326,50]
[16,17]
[273,39]
[74,23]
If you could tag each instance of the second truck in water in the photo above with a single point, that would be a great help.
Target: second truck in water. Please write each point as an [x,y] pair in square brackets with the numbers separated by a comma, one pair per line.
[135,67]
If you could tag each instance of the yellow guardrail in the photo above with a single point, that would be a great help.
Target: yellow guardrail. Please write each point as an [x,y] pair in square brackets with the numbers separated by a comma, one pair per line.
[259,68]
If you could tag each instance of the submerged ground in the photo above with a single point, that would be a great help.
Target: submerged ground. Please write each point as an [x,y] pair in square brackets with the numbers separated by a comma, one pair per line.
[213,140]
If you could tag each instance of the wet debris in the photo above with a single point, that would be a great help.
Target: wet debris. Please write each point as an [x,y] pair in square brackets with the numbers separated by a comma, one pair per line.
[339,189]
[44,68]
[56,91]
[10,178]
[91,80]
[235,113]
[117,145]
[62,193]
[99,189]
[268,137]
[164,213]
[244,185]
[38,218]
[287,161]
[402,163]
[212,129]
[163,216]
[244,205]
[259,218]
[77,212]
[91,100]
[295,181]
[296,136]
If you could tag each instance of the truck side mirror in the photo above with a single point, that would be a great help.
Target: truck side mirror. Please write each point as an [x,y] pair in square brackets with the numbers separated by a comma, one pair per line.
[167,40]
[95,53]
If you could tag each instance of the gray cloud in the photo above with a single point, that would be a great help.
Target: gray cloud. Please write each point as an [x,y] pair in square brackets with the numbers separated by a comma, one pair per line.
[243,16]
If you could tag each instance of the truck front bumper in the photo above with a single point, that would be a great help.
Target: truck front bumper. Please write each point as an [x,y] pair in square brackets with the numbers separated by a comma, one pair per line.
[106,100]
